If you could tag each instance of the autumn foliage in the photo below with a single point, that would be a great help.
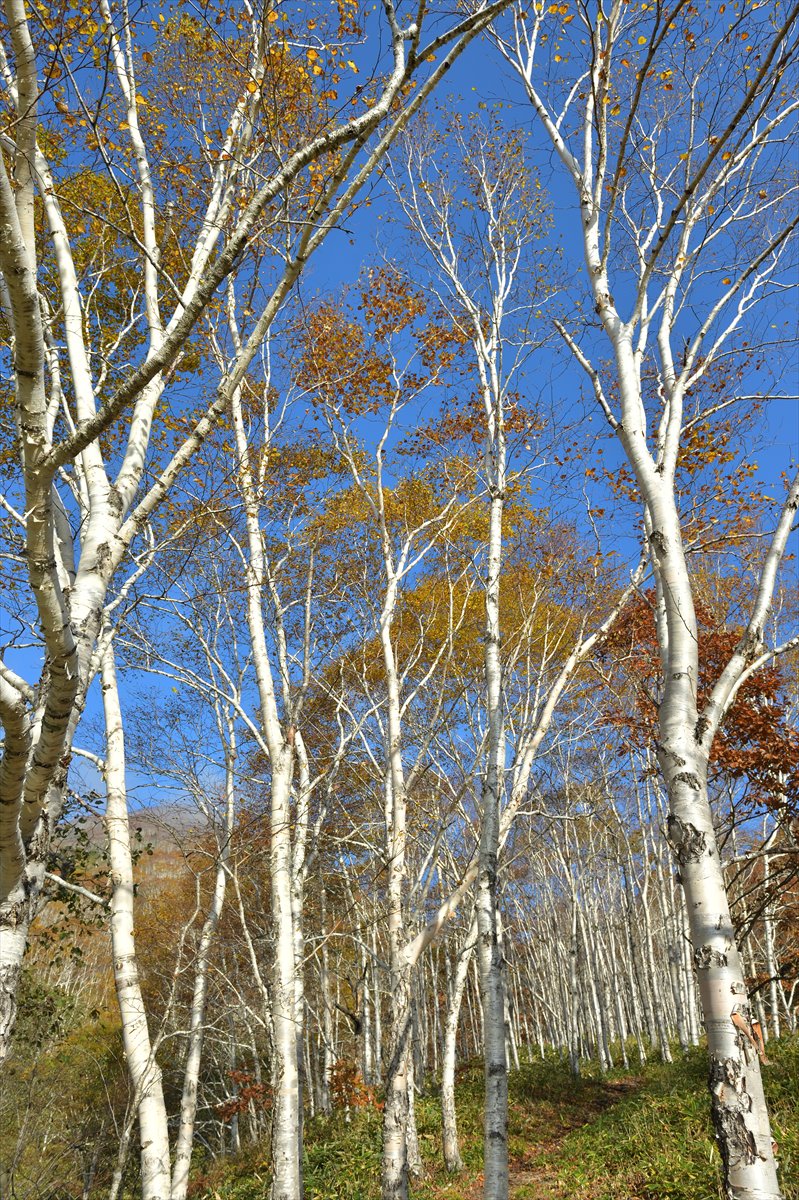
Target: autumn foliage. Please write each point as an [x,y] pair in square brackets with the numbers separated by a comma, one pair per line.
[757,745]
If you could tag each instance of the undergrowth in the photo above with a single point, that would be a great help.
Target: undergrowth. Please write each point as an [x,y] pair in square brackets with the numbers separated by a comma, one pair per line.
[623,1136]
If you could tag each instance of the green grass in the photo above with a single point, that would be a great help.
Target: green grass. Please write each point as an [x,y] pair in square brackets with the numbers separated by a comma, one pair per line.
[642,1136]
[655,1143]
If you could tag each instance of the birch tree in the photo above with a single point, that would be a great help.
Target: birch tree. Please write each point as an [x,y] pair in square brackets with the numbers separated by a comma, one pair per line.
[352,377]
[672,127]
[477,179]
[276,141]
[214,680]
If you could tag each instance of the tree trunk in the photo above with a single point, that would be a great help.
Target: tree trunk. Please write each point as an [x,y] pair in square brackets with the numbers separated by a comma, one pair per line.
[738,1106]
[286,1122]
[489,950]
[771,959]
[394,1175]
[415,1164]
[145,1074]
[449,1119]
[191,1076]
[327,1010]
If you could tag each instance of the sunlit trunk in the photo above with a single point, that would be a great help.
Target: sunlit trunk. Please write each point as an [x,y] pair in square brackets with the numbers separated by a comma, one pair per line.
[144,1072]
[191,1073]
[489,949]
[449,1120]
[286,1122]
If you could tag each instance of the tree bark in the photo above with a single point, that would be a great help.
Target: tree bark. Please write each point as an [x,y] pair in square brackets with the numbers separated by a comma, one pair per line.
[191,1073]
[449,1117]
[145,1074]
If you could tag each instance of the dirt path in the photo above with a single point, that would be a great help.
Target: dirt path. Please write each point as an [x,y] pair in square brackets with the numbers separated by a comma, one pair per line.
[532,1175]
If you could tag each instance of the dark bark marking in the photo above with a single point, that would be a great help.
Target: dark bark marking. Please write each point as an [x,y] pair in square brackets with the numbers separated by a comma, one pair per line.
[667,752]
[752,644]
[103,556]
[706,957]
[658,540]
[689,778]
[729,1104]
[687,842]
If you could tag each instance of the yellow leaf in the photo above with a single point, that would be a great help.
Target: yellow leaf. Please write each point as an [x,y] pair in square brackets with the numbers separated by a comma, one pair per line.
[726,155]
[272,16]
[725,281]
[352,65]
[642,41]
[252,86]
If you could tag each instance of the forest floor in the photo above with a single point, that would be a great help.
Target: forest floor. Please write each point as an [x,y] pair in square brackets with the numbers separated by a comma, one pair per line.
[538,1137]
[636,1134]
[533,1170]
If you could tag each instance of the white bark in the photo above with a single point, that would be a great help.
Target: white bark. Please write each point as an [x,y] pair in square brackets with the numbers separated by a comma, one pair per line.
[286,1119]
[770,956]
[685,735]
[191,1070]
[449,1117]
[492,982]
[107,525]
[145,1074]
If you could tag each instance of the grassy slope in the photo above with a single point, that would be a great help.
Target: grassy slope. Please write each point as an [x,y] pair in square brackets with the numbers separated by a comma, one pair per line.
[643,1137]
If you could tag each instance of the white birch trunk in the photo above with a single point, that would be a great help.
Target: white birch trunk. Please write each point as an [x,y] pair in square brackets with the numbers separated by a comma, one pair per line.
[449,1116]
[574,996]
[286,1114]
[191,1070]
[774,986]
[488,944]
[328,1056]
[668,258]
[286,1122]
[414,1154]
[144,1072]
